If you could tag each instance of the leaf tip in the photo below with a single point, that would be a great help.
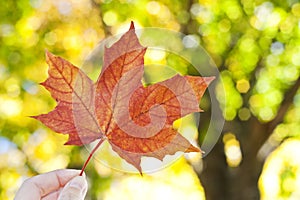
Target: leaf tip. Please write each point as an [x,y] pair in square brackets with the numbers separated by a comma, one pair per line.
[69,142]
[47,53]
[34,117]
[131,25]
[48,56]
[42,83]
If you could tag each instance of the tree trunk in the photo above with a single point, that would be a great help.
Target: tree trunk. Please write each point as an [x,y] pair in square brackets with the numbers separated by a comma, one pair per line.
[213,176]
[225,183]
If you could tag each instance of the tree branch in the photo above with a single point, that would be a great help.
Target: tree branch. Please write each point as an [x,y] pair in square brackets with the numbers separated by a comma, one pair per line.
[184,27]
[286,103]
[105,28]
[261,132]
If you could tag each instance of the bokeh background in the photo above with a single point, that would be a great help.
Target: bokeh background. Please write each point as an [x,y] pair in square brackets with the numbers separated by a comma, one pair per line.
[255,45]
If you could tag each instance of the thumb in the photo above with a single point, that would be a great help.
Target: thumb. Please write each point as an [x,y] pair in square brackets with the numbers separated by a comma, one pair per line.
[74,190]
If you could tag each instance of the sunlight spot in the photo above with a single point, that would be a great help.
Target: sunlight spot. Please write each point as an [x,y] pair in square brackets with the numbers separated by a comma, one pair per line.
[203,14]
[228,136]
[265,16]
[263,85]
[290,73]
[64,7]
[232,10]
[190,41]
[263,11]
[196,9]
[16,158]
[234,155]
[224,25]
[10,107]
[153,7]
[232,150]
[273,97]
[72,42]
[155,54]
[243,85]
[247,44]
[230,113]
[110,18]
[255,101]
[287,26]
[6,30]
[296,58]
[13,90]
[244,114]
[34,23]
[50,38]
[296,9]
[12,87]
[272,60]
[277,48]
[274,19]
[266,113]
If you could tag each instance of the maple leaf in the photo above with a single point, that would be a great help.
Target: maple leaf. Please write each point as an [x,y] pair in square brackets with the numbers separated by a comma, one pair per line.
[135,120]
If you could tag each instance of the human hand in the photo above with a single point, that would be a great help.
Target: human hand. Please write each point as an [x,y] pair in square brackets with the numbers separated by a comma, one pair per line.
[65,184]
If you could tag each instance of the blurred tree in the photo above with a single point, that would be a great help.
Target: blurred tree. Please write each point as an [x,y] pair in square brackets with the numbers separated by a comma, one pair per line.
[255,45]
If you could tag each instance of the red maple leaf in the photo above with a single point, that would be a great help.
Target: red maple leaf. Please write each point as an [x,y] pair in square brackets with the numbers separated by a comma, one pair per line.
[136,120]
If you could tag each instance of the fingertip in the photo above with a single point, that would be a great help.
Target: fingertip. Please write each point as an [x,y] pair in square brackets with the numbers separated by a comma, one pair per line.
[75,189]
[78,181]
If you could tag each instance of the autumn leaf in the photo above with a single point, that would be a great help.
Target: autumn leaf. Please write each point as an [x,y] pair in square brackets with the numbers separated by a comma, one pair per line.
[135,120]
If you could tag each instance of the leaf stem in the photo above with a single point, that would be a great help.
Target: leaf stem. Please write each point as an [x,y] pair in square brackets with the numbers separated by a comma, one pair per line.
[91,154]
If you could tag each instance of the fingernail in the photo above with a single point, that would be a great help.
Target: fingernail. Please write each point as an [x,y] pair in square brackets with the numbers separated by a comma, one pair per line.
[79,183]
